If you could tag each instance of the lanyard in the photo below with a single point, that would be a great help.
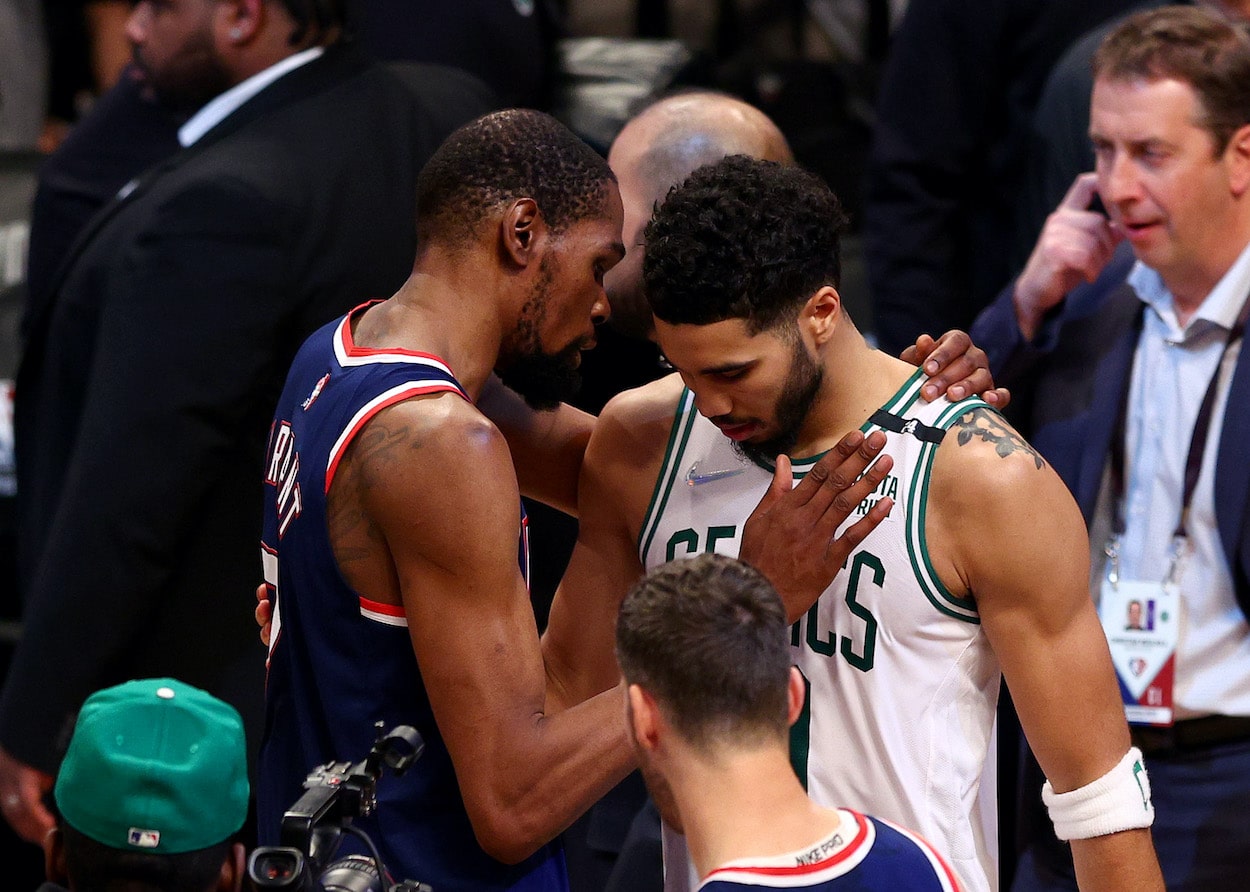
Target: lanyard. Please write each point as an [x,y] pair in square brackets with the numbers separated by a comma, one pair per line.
[1193,460]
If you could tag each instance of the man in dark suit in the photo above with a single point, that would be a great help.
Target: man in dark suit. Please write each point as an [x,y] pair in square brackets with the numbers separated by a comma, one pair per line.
[149,375]
[947,159]
[1111,377]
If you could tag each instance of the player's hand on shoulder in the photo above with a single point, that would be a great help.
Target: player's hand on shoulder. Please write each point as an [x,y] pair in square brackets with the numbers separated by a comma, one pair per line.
[956,367]
[791,536]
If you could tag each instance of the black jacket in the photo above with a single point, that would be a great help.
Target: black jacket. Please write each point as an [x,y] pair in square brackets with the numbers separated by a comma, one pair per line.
[149,375]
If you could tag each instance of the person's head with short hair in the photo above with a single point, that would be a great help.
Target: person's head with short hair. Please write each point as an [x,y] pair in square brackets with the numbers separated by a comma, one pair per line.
[1191,45]
[742,270]
[742,238]
[659,147]
[151,793]
[533,213]
[187,52]
[496,159]
[704,648]
[1170,124]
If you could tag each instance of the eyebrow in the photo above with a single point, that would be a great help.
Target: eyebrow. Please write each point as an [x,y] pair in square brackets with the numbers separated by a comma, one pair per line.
[726,367]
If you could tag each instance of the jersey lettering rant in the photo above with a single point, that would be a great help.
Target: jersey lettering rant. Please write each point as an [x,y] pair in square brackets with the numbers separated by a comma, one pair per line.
[282,473]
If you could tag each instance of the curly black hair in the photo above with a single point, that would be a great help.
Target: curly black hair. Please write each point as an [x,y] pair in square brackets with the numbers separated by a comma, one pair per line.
[516,153]
[745,239]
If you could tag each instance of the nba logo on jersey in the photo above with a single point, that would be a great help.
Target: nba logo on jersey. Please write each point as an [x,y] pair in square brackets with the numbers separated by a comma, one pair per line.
[316,392]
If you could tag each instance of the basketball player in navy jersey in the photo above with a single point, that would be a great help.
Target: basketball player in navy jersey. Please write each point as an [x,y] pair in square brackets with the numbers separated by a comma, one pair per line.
[711,692]
[393,521]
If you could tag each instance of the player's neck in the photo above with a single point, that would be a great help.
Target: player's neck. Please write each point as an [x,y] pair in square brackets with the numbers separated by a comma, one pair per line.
[858,380]
[441,315]
[747,805]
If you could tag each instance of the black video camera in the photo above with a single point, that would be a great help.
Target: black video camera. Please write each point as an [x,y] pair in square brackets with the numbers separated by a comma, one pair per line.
[335,794]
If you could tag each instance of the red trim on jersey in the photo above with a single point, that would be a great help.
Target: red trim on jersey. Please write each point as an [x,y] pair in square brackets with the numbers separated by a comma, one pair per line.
[936,855]
[801,869]
[395,610]
[350,348]
[407,393]
[946,868]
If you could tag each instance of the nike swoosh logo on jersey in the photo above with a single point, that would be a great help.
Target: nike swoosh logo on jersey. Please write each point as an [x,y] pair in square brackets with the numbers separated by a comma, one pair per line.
[694,478]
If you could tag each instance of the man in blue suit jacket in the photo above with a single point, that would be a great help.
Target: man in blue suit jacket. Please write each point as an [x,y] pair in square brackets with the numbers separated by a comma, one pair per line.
[1111,353]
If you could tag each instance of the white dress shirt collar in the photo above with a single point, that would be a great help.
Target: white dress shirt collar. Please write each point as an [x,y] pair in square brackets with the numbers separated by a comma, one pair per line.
[221,106]
[1220,307]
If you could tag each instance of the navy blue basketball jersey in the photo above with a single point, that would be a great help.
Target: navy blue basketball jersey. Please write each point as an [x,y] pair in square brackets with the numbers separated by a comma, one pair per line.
[863,855]
[338,662]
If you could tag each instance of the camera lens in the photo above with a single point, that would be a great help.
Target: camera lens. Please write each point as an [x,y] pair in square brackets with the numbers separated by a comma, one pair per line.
[355,873]
[275,867]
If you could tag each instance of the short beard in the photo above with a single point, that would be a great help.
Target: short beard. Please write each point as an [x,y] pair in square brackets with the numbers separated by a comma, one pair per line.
[795,401]
[543,380]
[189,82]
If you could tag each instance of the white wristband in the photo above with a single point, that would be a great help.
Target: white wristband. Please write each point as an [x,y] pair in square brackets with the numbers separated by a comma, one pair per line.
[1119,800]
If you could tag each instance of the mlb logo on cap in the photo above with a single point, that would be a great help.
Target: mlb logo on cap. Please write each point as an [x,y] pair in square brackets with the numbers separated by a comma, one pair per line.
[144,839]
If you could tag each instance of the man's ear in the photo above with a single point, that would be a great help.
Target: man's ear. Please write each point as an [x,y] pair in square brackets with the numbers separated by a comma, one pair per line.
[1237,158]
[54,857]
[521,230]
[233,869]
[821,313]
[239,21]
[796,693]
[644,718]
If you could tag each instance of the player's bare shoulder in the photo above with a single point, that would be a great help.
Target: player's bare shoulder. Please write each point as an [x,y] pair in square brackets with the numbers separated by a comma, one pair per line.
[626,451]
[985,430]
[634,425]
[982,459]
[989,490]
[427,434]
[415,448]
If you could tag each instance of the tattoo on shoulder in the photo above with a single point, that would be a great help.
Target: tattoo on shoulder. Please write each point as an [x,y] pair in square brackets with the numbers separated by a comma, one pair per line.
[991,428]
[382,441]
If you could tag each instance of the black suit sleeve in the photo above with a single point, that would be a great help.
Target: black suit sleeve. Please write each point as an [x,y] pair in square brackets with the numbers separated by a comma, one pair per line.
[188,331]
[934,113]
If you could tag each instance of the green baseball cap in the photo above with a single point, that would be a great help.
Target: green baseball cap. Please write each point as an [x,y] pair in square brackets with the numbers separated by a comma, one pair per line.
[155,766]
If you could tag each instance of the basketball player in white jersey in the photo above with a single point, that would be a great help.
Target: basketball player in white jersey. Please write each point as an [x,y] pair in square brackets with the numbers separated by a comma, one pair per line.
[980,568]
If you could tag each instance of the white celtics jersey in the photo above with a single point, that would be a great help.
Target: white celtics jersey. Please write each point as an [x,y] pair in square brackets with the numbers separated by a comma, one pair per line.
[902,683]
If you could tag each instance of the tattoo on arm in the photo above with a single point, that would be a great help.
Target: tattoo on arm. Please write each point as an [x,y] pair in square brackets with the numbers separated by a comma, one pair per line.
[991,428]
[353,534]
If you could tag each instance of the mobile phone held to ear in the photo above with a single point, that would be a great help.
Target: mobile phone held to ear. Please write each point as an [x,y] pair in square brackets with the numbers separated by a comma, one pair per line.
[1096,205]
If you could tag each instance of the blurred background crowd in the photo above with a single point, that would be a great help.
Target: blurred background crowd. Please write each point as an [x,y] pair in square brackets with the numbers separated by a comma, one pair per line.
[941,124]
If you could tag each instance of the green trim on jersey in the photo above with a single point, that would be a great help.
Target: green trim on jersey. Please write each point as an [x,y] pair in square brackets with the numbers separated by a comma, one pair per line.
[680,431]
[902,400]
[917,507]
